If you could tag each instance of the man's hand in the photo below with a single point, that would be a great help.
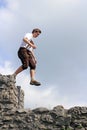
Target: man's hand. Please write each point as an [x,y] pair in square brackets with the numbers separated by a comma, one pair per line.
[30,43]
[33,46]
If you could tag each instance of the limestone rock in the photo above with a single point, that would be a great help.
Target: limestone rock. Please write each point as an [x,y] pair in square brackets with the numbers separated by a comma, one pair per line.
[13,115]
[11,96]
[41,110]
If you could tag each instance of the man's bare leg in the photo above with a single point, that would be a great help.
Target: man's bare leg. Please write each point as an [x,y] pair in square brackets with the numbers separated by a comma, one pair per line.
[32,74]
[20,69]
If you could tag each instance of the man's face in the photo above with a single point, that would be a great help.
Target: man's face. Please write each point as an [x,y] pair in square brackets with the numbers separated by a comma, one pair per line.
[36,34]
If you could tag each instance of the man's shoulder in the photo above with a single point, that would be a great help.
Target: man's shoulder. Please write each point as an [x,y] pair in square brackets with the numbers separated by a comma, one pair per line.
[28,35]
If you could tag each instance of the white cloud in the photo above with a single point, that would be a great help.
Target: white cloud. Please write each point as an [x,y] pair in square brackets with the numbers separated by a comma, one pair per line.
[35,96]
[7,13]
[22,11]
[6,68]
[13,5]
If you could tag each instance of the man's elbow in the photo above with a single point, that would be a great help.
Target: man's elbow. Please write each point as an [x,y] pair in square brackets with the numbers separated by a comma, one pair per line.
[25,39]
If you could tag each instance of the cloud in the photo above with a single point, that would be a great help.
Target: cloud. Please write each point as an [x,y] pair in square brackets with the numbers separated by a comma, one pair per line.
[34,96]
[6,68]
[47,96]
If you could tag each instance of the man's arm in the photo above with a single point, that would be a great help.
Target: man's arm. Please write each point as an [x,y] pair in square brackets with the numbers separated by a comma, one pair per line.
[29,43]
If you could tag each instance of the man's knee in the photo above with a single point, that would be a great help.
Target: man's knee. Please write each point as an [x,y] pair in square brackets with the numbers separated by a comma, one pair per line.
[25,66]
[33,66]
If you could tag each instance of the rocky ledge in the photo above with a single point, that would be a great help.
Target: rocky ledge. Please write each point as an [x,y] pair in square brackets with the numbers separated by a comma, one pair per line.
[13,116]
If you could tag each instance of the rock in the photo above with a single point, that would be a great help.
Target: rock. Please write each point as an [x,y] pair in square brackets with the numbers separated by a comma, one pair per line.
[13,116]
[21,111]
[47,118]
[41,110]
[59,110]
[10,96]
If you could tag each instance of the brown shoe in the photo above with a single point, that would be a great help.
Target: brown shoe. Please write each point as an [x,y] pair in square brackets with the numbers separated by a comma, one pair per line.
[34,82]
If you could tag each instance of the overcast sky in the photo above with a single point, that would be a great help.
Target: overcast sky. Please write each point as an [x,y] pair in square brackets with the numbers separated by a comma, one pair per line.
[61,49]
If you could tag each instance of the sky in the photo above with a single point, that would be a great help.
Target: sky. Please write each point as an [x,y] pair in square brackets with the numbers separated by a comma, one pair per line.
[61,49]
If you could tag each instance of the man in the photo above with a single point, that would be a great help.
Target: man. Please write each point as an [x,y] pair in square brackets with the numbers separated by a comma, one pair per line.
[26,55]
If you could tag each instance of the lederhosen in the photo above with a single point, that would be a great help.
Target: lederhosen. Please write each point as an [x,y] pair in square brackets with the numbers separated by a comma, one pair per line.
[26,58]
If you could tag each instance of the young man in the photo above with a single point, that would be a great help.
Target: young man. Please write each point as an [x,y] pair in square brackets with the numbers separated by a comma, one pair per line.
[26,55]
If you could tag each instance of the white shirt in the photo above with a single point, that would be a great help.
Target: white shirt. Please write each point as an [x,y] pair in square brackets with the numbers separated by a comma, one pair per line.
[29,36]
